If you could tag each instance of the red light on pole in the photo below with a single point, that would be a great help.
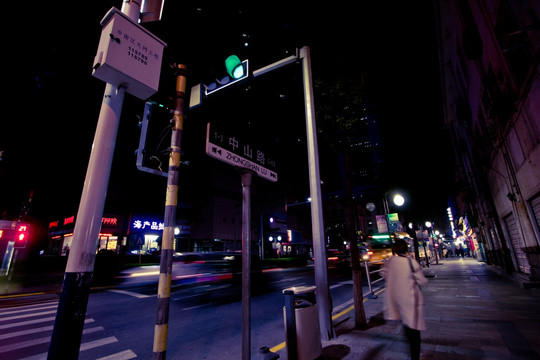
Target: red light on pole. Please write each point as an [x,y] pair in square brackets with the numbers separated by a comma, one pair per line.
[21,237]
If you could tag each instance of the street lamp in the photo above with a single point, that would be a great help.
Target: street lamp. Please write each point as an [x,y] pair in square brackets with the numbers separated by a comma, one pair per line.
[397,199]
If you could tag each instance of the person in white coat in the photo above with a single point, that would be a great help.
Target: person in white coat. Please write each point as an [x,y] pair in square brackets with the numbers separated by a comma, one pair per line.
[403,299]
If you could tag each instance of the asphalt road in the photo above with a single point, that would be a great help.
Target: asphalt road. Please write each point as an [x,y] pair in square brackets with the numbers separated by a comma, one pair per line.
[205,320]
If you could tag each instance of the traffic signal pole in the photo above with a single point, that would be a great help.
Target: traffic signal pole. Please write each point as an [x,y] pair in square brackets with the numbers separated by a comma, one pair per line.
[319,247]
[165,267]
[71,313]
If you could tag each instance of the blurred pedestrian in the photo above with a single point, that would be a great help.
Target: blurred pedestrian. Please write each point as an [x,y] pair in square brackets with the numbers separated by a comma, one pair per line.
[403,299]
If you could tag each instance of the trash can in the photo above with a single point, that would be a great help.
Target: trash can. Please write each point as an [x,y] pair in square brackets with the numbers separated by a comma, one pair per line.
[302,322]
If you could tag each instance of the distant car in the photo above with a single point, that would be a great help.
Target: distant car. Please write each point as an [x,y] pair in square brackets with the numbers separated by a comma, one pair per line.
[336,258]
[364,253]
[209,262]
[188,268]
[153,251]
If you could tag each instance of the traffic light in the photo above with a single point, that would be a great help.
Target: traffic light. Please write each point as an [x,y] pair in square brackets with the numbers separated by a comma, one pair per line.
[153,152]
[236,69]
[21,235]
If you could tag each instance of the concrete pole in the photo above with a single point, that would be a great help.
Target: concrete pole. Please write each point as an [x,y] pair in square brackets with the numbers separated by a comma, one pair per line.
[165,268]
[319,248]
[68,326]
[71,313]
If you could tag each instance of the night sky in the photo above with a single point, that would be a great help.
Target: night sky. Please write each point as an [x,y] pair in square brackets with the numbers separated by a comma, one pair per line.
[53,102]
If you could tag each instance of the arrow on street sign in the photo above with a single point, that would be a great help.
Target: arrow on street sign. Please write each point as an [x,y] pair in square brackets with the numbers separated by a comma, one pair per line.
[229,157]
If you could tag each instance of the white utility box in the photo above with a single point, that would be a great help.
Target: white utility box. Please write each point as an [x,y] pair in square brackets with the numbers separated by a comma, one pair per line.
[128,55]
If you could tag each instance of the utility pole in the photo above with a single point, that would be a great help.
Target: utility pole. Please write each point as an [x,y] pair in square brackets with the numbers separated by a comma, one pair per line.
[68,326]
[165,268]
[71,313]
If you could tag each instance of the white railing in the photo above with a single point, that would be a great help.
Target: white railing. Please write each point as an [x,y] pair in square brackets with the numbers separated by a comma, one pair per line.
[368,275]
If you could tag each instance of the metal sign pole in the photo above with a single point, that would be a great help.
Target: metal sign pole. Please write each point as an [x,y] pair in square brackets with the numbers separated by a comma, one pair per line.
[246,265]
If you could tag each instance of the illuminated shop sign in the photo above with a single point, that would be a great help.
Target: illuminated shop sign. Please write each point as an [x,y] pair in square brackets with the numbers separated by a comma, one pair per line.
[109,222]
[142,224]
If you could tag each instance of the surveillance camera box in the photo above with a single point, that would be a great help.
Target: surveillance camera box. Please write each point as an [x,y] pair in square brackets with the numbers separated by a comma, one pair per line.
[128,55]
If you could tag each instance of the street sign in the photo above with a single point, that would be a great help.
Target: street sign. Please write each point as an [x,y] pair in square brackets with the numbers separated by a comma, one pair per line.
[236,151]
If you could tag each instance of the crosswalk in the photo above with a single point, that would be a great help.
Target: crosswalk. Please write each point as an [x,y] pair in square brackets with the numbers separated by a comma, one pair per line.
[25,334]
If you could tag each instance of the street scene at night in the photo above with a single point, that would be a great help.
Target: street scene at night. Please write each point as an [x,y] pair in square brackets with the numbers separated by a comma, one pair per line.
[249,181]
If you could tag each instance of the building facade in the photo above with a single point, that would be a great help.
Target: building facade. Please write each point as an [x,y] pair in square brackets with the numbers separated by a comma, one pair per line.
[489,59]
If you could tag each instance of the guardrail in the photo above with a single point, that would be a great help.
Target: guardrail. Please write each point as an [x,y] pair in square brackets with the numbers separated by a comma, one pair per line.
[368,275]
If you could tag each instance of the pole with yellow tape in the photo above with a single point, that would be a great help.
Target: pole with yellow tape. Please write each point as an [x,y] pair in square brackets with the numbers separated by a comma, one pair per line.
[165,268]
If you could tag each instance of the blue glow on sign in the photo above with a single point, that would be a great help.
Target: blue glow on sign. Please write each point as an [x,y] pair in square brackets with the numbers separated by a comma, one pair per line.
[147,225]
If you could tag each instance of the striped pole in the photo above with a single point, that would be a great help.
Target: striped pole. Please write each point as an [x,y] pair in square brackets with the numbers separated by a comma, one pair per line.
[165,268]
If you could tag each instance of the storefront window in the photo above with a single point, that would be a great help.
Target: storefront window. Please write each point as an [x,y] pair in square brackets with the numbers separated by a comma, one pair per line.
[68,238]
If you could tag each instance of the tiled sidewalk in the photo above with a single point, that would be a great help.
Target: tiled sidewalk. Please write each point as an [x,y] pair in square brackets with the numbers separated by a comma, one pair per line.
[472,313]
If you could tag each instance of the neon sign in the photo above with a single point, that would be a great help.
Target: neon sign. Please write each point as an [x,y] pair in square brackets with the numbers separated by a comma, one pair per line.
[109,221]
[106,221]
[147,225]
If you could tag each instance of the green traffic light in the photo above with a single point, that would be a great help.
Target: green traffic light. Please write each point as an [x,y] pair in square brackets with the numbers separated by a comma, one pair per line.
[234,67]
